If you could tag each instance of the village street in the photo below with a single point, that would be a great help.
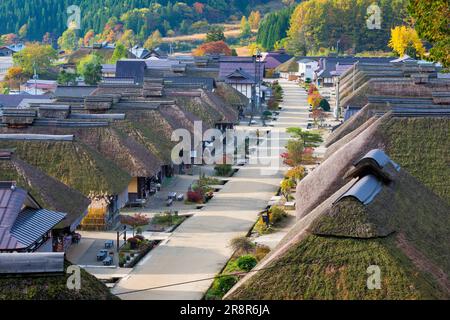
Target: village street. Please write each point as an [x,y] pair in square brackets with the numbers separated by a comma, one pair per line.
[199,248]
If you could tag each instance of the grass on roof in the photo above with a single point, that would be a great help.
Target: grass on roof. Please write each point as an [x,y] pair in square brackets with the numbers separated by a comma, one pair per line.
[52,287]
[422,147]
[336,268]
[74,164]
[331,262]
[9,172]
[150,129]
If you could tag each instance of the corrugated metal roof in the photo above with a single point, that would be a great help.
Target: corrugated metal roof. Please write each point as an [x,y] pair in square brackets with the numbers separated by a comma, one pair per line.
[364,190]
[11,201]
[32,224]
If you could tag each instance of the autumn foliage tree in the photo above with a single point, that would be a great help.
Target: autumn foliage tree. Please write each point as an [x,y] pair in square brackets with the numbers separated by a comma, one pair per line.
[15,76]
[218,47]
[405,40]
[431,21]
[135,221]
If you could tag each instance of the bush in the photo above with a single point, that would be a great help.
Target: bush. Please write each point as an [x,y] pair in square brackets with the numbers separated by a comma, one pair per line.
[139,237]
[246,263]
[324,105]
[223,170]
[242,244]
[277,214]
[195,196]
[223,284]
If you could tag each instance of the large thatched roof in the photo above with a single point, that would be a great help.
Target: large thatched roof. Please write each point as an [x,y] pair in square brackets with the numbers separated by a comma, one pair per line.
[49,192]
[53,287]
[404,230]
[74,164]
[289,66]
[231,95]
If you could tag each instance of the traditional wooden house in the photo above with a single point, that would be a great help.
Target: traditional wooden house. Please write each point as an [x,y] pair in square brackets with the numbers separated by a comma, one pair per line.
[43,192]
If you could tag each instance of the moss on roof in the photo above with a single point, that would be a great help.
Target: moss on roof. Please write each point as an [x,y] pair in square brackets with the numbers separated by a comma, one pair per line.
[74,164]
[231,95]
[50,193]
[336,268]
[151,129]
[405,229]
[289,66]
[422,147]
[53,287]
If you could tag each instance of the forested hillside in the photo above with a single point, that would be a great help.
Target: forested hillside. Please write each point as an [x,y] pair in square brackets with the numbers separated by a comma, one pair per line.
[142,16]
[274,27]
[319,24]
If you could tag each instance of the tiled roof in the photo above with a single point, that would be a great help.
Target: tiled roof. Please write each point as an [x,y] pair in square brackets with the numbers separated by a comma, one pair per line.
[228,65]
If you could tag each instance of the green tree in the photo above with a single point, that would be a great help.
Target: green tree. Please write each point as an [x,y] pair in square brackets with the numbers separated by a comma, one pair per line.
[308,138]
[90,68]
[23,31]
[246,30]
[120,52]
[69,40]
[432,20]
[36,56]
[215,33]
[67,78]
[154,40]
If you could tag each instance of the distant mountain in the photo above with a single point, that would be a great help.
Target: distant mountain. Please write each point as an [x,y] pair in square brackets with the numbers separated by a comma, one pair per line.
[42,16]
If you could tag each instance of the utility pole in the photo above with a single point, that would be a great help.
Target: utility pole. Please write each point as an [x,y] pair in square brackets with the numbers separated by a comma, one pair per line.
[256,87]
[35,77]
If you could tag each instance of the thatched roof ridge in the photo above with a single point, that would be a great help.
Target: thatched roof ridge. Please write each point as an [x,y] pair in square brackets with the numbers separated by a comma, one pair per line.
[119,148]
[333,147]
[327,245]
[229,114]
[327,178]
[49,192]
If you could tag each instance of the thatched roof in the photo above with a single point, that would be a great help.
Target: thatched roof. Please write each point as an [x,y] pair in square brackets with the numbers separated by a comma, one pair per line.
[49,192]
[114,145]
[74,164]
[289,66]
[53,287]
[231,95]
[324,252]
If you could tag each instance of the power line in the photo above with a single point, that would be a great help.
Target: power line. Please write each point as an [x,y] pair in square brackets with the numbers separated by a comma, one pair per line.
[312,261]
[276,265]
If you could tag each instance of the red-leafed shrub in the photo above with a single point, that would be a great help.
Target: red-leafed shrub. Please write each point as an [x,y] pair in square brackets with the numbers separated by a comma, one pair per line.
[195,196]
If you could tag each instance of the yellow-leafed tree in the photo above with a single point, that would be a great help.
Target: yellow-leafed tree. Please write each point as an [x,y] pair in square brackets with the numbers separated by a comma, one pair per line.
[405,40]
